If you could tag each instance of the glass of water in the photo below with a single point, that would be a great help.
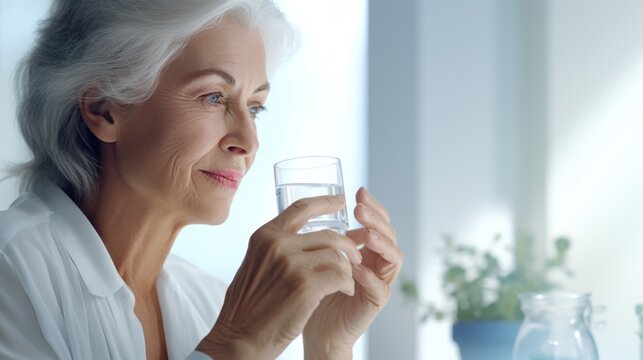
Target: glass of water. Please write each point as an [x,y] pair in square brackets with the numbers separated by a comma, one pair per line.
[311,176]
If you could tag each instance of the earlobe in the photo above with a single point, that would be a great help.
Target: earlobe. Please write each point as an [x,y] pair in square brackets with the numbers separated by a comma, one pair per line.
[97,115]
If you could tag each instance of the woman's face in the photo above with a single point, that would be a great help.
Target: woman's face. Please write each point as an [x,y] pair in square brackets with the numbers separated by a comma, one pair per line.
[186,149]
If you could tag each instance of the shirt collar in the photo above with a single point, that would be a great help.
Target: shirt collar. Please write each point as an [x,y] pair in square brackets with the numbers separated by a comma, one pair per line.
[81,241]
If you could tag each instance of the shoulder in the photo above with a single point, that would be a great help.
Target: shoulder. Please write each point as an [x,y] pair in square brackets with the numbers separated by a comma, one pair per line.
[27,214]
[29,250]
[25,252]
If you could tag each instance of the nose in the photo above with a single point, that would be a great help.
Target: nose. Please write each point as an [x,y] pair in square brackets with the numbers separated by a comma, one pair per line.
[241,136]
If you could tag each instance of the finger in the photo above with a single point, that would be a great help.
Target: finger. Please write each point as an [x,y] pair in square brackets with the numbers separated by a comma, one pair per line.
[387,258]
[375,289]
[326,238]
[330,272]
[365,197]
[370,218]
[331,281]
[357,236]
[385,248]
[298,213]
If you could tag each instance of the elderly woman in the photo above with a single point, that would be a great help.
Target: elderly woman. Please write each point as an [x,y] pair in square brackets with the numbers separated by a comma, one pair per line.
[141,118]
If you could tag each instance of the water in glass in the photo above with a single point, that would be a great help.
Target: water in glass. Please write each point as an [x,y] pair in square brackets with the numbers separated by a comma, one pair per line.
[289,193]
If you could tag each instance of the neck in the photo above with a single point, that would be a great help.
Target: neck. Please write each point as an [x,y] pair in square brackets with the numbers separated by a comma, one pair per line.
[137,233]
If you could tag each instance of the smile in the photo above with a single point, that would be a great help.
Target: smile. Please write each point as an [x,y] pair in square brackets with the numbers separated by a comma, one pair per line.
[229,179]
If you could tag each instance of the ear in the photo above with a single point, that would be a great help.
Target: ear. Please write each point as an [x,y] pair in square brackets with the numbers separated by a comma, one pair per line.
[97,115]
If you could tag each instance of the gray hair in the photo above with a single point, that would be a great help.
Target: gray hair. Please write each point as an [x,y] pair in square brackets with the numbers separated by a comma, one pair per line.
[116,48]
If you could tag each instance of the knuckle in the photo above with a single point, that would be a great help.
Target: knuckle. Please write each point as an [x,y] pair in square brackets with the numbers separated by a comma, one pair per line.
[259,236]
[342,273]
[265,243]
[334,203]
[337,256]
[284,265]
[257,242]
[302,205]
[338,271]
[287,268]
[296,282]
[329,236]
[328,200]
[337,240]
[254,239]
[334,257]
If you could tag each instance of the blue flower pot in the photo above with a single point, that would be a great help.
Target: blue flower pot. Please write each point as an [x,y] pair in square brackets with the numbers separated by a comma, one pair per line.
[486,340]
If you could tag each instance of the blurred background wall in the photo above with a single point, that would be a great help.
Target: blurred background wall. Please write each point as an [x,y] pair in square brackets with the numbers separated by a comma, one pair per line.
[496,115]
[595,171]
[464,117]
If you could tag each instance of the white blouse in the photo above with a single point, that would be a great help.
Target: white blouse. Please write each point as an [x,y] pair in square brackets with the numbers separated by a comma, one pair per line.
[62,298]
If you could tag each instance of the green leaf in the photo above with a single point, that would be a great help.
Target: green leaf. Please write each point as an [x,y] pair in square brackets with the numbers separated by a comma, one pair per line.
[455,274]
[409,290]
[562,245]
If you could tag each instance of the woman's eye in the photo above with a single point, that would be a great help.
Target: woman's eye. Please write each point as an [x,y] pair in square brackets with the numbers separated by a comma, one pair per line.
[214,98]
[256,110]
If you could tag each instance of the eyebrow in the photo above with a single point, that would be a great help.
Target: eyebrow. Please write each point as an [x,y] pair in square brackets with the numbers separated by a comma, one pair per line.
[229,79]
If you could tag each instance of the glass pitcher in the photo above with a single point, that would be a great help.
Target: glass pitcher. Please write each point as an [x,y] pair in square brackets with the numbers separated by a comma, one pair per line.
[556,327]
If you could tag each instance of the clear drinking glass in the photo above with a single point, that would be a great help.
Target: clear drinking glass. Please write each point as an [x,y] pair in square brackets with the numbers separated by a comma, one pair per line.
[556,327]
[311,176]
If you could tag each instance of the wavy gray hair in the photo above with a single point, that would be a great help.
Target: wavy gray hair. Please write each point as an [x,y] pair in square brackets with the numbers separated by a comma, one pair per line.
[116,48]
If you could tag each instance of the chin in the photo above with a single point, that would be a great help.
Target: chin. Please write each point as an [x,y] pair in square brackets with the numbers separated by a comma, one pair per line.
[212,208]
[210,216]
[215,220]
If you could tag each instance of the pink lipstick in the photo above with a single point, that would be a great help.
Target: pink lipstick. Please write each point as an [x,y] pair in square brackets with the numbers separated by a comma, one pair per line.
[228,178]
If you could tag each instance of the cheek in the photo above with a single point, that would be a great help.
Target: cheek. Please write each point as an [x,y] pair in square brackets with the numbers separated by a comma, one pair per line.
[187,142]
[163,148]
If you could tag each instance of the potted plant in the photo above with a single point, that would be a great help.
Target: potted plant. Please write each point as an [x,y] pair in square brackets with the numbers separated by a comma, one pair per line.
[484,295]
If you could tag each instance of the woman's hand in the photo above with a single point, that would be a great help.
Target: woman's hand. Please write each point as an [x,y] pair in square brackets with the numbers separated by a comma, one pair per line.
[282,280]
[341,318]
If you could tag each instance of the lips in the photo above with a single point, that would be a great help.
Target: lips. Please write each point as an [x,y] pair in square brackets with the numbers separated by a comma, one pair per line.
[228,178]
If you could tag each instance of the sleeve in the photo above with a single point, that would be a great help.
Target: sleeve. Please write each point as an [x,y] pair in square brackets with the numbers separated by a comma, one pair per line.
[197,355]
[20,333]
